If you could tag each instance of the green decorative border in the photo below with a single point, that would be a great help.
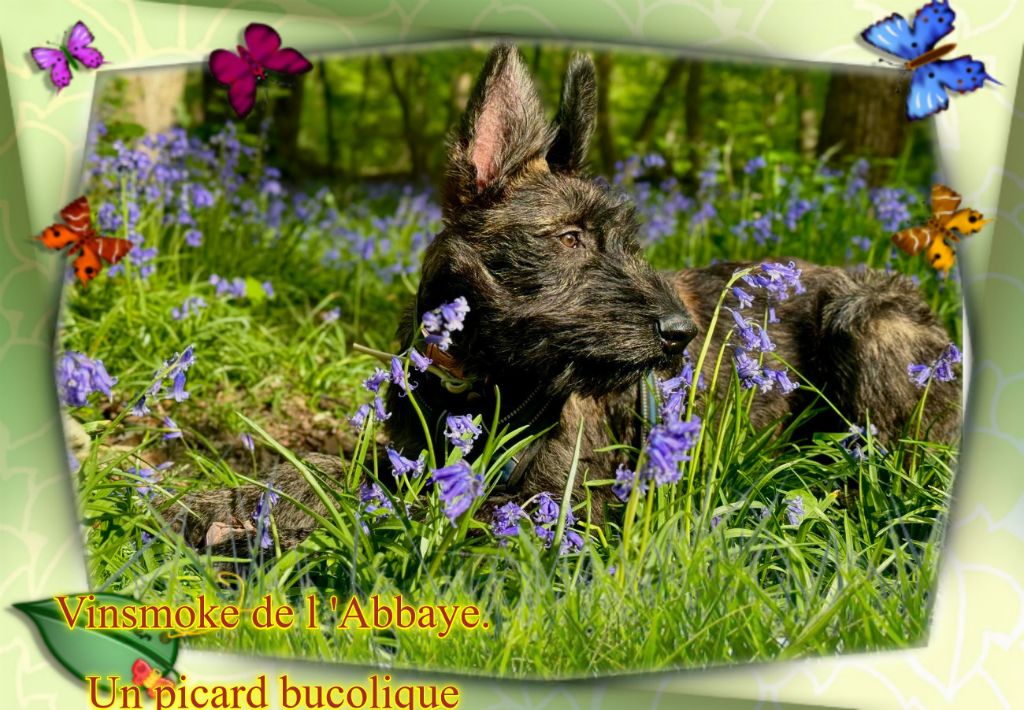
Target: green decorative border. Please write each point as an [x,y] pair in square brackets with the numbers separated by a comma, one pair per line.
[975,648]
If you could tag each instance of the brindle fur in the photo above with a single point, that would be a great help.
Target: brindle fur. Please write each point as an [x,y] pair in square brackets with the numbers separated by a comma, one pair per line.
[581,323]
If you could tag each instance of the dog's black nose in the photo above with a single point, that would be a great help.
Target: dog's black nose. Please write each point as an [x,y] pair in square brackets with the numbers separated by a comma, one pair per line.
[676,331]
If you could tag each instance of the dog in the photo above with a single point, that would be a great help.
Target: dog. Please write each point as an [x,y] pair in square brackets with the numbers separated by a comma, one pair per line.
[567,320]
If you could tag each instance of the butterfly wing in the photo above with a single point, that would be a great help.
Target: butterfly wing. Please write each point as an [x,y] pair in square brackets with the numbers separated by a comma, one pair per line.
[914,239]
[58,236]
[78,46]
[963,74]
[56,62]
[88,263]
[967,222]
[264,43]
[929,84]
[242,95]
[944,202]
[110,249]
[898,37]
[77,215]
[940,255]
[227,67]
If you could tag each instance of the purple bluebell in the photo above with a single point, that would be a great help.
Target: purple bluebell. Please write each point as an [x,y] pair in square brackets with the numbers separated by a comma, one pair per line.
[667,447]
[398,376]
[505,522]
[79,376]
[420,362]
[795,510]
[546,510]
[247,442]
[462,432]
[941,369]
[457,488]
[401,466]
[359,418]
[745,299]
[173,432]
[330,316]
[267,500]
[193,237]
[891,207]
[374,381]
[381,414]
[190,306]
[625,480]
[754,165]
[374,500]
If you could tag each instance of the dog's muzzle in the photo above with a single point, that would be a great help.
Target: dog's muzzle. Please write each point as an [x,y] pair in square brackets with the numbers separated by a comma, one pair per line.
[676,331]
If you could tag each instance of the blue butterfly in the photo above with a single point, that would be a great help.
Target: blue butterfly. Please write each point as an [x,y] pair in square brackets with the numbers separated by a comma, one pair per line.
[932,76]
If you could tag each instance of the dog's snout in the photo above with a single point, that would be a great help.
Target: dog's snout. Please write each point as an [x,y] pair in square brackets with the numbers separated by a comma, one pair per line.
[676,331]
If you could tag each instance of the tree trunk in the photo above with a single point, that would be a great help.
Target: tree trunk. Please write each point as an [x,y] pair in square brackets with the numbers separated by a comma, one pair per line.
[865,115]
[152,98]
[672,75]
[807,116]
[605,136]
[358,135]
[287,114]
[409,130]
[694,129]
[328,96]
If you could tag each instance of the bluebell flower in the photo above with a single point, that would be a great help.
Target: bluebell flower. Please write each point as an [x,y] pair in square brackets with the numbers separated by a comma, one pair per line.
[625,480]
[754,165]
[457,488]
[857,179]
[745,299]
[359,418]
[193,237]
[505,522]
[173,432]
[402,466]
[667,447]
[79,376]
[796,208]
[420,362]
[247,442]
[178,392]
[398,376]
[546,510]
[190,306]
[795,510]
[379,412]
[374,501]
[374,381]
[941,369]
[462,432]
[331,315]
[268,288]
[139,408]
[890,207]
[855,440]
[267,500]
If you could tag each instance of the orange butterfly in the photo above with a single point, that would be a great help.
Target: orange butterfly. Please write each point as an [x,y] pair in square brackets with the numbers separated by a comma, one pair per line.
[148,677]
[945,227]
[79,233]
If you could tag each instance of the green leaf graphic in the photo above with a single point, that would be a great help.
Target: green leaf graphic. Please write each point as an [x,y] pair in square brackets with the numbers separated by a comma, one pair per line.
[88,652]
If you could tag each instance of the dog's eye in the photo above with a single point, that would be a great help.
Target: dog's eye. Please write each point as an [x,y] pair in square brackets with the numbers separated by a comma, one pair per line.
[570,239]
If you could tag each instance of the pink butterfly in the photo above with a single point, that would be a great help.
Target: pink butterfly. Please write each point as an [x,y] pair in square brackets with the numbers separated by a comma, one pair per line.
[242,72]
[60,60]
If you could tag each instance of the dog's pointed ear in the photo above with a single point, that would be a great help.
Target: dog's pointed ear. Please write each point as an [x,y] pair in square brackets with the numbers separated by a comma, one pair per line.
[576,116]
[503,130]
